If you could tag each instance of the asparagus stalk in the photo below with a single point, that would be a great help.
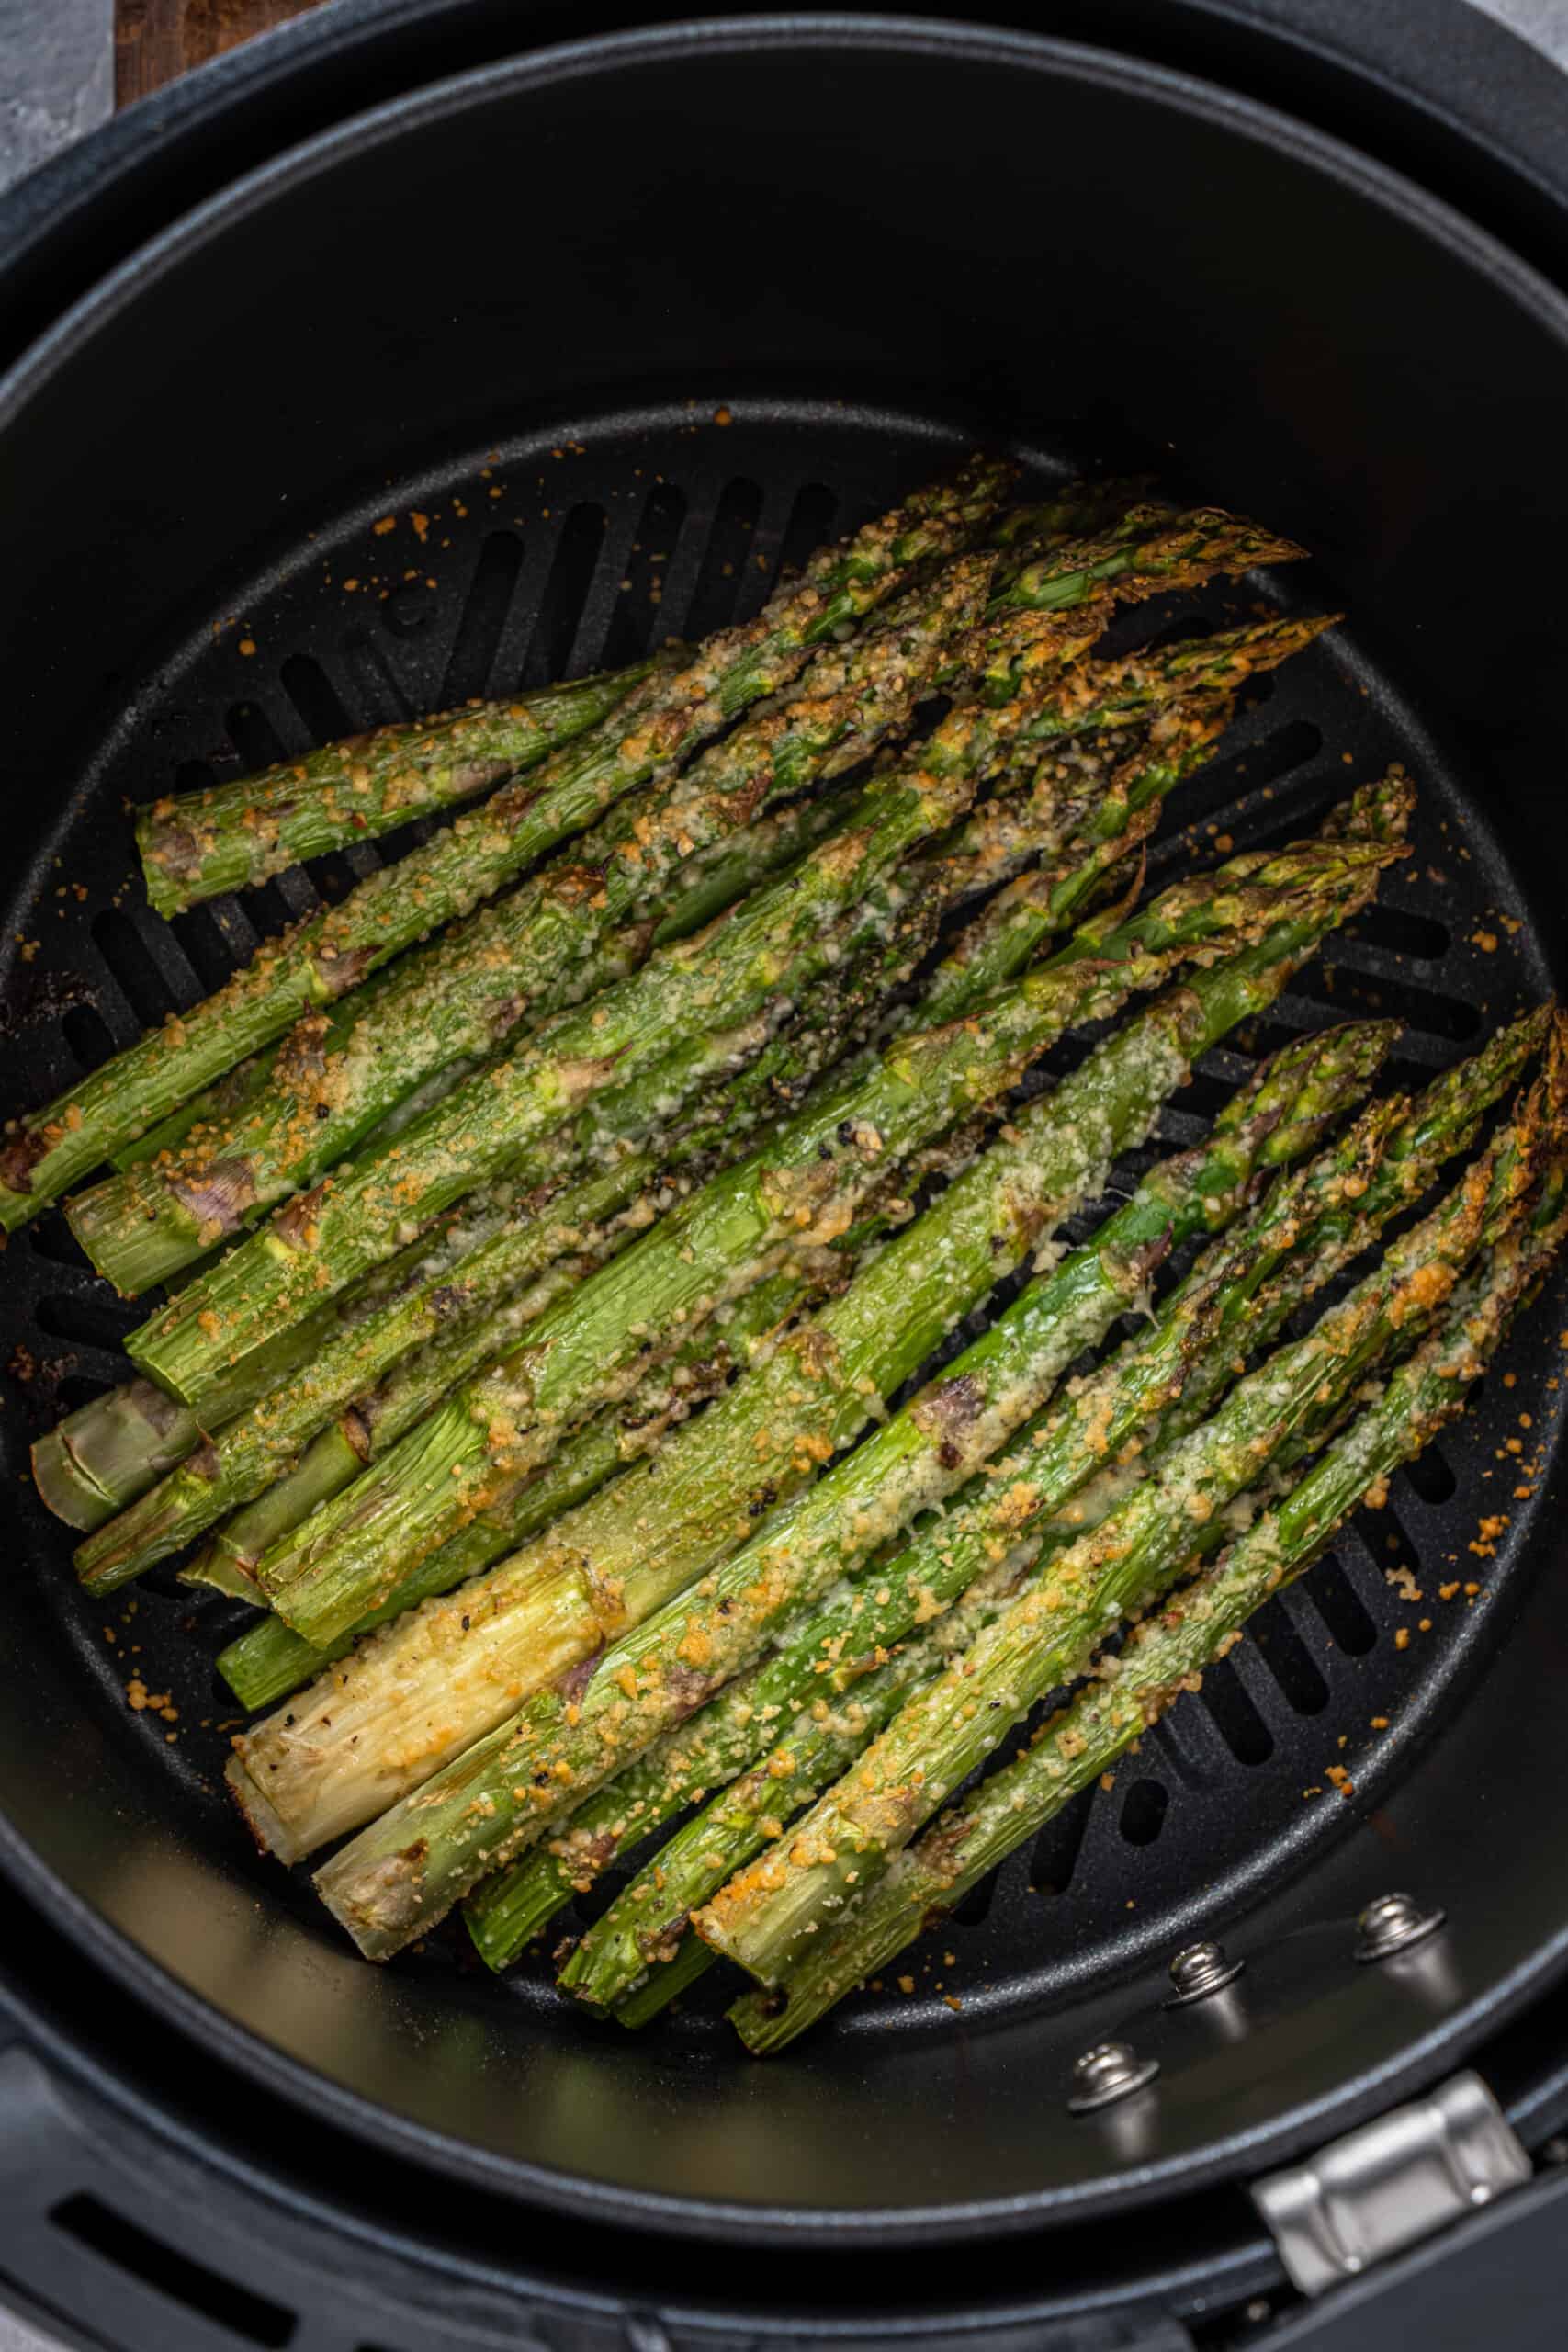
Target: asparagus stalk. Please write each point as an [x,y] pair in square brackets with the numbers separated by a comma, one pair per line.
[103,1456]
[422,1689]
[664,1982]
[1161,1383]
[489,1437]
[1105,816]
[224,1099]
[568,932]
[1289,1103]
[765,1915]
[326,1237]
[710,881]
[1072,808]
[768,1431]
[707,883]
[232,1097]
[270,1659]
[804,1182]
[496,1121]
[100,1458]
[778,1081]
[445,1333]
[1164,1656]
[666,718]
[1148,1456]
[236,834]
[301,1108]
[248,1454]
[817,1144]
[1075,1464]
[231,835]
[647,1923]
[587,917]
[383,1372]
[374,1421]
[833,1010]
[466,1299]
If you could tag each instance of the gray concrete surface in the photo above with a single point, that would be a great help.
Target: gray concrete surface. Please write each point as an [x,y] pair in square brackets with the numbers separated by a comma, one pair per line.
[56,82]
[1544,22]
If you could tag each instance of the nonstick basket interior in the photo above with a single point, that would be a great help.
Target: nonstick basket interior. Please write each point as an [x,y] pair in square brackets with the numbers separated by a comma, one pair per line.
[551,546]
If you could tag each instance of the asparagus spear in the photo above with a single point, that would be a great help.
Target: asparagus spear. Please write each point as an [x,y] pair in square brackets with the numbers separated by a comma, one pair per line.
[1104,815]
[503,1235]
[277,1659]
[489,1438]
[707,883]
[804,1182]
[495,1123]
[319,960]
[768,1431]
[587,917]
[270,1659]
[425,1688]
[227,1096]
[326,1237]
[235,834]
[568,932]
[1072,509]
[100,1458]
[1164,1657]
[1076,799]
[231,835]
[220,1162]
[833,1010]
[374,1421]
[1160,1384]
[145,1435]
[1105,1494]
[467,1304]
[647,1923]
[847,1841]
[816,1144]
[1287,1104]
[1073,806]
[1052,1485]
[442,1330]
[837,1006]
[91,1463]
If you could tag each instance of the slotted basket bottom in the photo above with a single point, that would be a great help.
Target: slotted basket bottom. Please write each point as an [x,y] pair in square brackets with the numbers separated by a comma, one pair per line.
[572,552]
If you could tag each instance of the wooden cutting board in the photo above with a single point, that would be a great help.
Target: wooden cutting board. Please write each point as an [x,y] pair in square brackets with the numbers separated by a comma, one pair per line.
[155,39]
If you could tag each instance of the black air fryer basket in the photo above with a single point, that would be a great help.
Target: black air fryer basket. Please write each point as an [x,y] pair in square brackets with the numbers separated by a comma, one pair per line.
[635,320]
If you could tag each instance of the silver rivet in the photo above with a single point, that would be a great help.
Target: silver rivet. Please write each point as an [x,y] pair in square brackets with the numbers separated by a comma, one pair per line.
[1392,1924]
[1112,2070]
[1199,1970]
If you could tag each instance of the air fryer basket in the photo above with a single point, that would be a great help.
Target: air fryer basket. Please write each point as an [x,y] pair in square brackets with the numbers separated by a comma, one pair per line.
[609,334]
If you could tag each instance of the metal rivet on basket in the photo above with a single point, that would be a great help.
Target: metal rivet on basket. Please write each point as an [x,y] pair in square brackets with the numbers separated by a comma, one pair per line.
[1112,2070]
[1199,1970]
[1392,1924]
